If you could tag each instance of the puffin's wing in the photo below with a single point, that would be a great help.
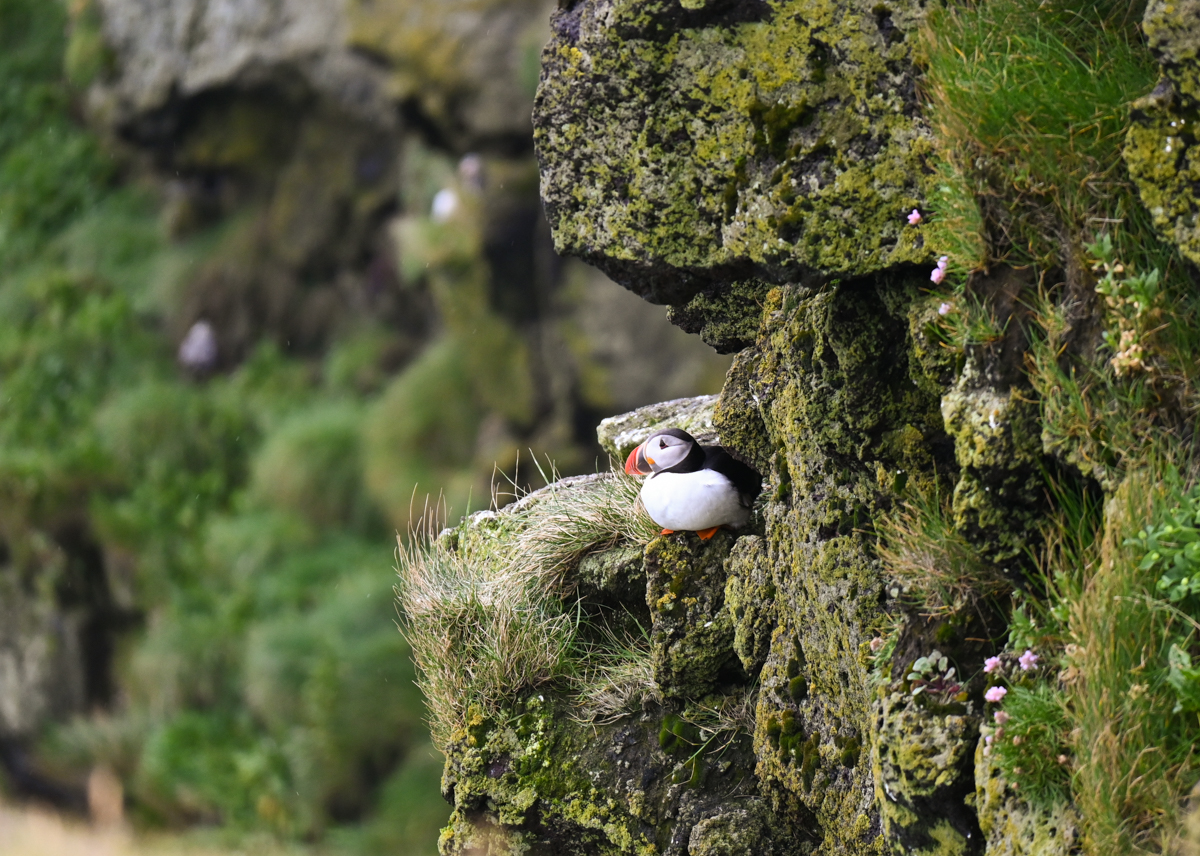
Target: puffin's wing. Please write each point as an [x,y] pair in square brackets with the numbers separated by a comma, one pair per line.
[746,479]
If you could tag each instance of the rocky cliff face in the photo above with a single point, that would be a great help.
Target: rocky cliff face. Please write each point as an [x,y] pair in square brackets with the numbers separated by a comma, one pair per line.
[238,239]
[753,165]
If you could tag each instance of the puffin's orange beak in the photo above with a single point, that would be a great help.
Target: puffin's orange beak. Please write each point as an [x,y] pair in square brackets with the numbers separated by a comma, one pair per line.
[635,464]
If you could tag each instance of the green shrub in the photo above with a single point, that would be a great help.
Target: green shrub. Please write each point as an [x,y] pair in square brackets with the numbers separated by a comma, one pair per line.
[311,465]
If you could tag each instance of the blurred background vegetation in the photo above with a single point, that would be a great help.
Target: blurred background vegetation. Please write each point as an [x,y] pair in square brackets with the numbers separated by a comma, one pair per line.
[273,277]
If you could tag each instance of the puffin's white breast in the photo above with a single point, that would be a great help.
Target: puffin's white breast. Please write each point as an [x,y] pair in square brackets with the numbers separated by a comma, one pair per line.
[692,501]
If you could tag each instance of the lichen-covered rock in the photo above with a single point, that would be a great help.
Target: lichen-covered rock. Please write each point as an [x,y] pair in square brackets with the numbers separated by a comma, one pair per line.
[1160,148]
[618,435]
[684,145]
[1172,28]
[725,316]
[922,753]
[692,634]
[835,407]
[750,601]
[536,775]
[1010,824]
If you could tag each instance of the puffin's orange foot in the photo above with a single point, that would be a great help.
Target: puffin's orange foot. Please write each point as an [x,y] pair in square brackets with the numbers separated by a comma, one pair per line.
[705,534]
[668,532]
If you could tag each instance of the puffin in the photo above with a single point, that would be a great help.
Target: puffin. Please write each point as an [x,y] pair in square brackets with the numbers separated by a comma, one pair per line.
[692,488]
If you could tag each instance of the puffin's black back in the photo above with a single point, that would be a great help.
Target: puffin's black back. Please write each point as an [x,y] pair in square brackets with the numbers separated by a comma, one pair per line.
[746,479]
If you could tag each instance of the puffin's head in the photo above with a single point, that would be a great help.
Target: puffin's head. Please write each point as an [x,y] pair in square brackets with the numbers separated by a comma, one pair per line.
[661,451]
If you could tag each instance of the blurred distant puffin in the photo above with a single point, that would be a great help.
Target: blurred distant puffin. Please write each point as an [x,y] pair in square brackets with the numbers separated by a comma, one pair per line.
[691,487]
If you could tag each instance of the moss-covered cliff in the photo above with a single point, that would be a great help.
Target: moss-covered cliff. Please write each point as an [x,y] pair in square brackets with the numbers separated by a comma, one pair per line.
[962,315]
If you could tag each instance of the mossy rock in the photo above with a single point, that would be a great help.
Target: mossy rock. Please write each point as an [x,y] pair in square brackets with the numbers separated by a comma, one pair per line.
[692,633]
[832,402]
[1161,149]
[688,145]
[923,761]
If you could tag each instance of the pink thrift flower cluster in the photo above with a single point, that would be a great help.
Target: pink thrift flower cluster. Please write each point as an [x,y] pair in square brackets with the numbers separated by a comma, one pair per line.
[991,664]
[1001,717]
[1028,660]
[939,272]
[914,218]
[995,694]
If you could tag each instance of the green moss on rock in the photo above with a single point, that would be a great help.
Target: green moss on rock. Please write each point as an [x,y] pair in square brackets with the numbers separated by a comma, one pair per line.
[681,144]
[831,396]
[922,758]
[692,634]
[750,600]
[1160,147]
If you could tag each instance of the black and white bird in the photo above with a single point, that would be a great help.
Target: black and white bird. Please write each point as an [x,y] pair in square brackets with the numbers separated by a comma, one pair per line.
[692,488]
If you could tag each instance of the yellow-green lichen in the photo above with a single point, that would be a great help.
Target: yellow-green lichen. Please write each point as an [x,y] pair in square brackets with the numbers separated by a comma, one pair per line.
[786,139]
[830,396]
[922,760]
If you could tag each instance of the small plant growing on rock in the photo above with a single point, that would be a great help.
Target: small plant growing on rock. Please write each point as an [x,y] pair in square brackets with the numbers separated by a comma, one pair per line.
[1171,549]
[1133,303]
[933,674]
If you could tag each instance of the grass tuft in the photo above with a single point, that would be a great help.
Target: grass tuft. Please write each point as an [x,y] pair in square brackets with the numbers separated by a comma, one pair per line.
[937,568]
[489,608]
[1029,100]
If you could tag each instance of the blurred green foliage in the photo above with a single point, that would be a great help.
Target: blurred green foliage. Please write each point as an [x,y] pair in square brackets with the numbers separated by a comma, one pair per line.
[267,687]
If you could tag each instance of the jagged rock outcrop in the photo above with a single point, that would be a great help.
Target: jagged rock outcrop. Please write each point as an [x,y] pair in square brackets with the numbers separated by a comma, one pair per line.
[690,145]
[751,164]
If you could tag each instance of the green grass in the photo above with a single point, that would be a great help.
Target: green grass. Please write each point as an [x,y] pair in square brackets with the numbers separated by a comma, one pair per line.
[939,571]
[1033,748]
[1136,758]
[1029,101]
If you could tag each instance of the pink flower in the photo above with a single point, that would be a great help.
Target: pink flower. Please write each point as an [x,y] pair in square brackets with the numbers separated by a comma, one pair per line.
[988,739]
[991,664]
[1002,717]
[937,275]
[995,694]
[945,308]
[876,644]
[943,261]
[1028,660]
[914,218]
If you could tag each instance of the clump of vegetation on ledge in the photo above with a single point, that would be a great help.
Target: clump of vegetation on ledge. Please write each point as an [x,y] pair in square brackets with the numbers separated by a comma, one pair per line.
[1092,695]
[490,607]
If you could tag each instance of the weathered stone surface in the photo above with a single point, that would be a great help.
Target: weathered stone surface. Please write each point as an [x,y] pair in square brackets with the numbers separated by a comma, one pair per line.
[1161,149]
[169,49]
[685,145]
[922,754]
[750,601]
[42,673]
[692,635]
[618,435]
[468,67]
[843,408]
